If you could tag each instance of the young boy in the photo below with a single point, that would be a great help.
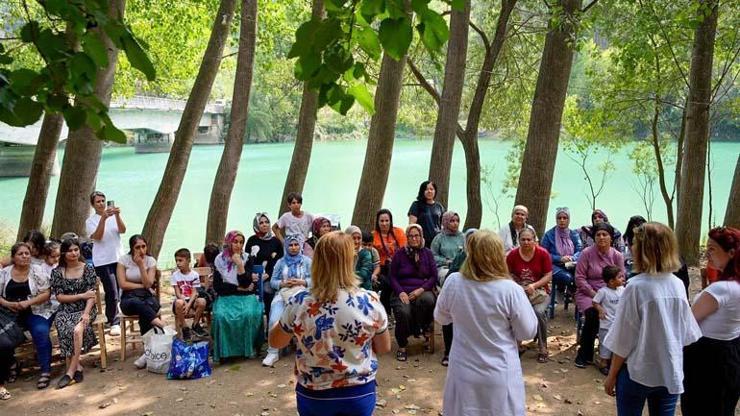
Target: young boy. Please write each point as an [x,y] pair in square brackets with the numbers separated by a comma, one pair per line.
[294,221]
[606,302]
[186,282]
[367,244]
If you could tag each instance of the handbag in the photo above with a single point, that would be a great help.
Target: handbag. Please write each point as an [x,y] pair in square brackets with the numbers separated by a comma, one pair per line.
[11,334]
[189,361]
[157,348]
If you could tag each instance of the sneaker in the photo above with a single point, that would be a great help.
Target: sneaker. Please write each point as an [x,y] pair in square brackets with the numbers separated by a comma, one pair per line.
[140,362]
[271,359]
[580,362]
[115,330]
[199,331]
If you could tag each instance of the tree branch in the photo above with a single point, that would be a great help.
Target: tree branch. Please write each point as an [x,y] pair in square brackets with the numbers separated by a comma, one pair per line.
[423,81]
[590,5]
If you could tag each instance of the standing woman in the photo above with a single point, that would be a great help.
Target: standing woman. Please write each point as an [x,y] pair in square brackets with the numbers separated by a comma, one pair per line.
[363,258]
[237,312]
[712,365]
[447,244]
[427,212]
[486,375]
[270,250]
[339,329]
[564,246]
[74,284]
[652,326]
[386,239]
[25,291]
[136,277]
[589,281]
[413,277]
[105,227]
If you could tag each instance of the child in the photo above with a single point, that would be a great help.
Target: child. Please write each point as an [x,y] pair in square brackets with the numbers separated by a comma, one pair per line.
[51,256]
[606,302]
[367,244]
[294,222]
[186,282]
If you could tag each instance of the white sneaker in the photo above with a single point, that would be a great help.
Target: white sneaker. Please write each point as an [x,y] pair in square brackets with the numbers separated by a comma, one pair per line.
[271,359]
[115,330]
[140,362]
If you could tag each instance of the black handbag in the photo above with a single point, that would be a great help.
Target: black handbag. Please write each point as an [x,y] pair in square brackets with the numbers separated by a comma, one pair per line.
[11,334]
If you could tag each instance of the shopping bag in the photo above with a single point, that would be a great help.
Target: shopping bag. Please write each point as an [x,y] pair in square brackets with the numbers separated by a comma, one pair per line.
[157,348]
[11,335]
[189,361]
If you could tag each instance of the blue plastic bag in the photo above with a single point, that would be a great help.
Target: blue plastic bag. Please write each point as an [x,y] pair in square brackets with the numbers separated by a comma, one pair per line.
[189,361]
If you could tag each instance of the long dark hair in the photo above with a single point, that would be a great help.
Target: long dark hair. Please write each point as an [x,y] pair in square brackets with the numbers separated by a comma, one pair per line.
[728,238]
[132,242]
[629,234]
[64,248]
[423,187]
[390,230]
[37,240]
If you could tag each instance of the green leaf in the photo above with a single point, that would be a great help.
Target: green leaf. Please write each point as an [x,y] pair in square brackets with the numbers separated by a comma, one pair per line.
[369,42]
[396,8]
[307,65]
[458,5]
[304,36]
[433,30]
[95,49]
[75,117]
[138,57]
[338,59]
[82,66]
[27,110]
[23,82]
[327,33]
[334,5]
[30,31]
[363,96]
[113,134]
[371,8]
[395,36]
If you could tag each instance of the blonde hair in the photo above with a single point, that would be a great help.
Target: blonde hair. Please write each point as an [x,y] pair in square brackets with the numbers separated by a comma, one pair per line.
[485,259]
[655,249]
[333,266]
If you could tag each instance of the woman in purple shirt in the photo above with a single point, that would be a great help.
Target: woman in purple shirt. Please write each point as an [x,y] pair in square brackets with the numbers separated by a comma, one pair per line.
[592,261]
[413,276]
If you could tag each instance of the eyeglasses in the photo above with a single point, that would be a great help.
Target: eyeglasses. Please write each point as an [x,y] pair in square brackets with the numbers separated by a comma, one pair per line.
[414,236]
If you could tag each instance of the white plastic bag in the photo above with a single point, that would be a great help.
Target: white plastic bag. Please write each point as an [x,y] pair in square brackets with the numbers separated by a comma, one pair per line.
[158,349]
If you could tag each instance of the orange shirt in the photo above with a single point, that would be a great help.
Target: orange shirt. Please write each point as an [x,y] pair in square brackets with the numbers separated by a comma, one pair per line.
[392,243]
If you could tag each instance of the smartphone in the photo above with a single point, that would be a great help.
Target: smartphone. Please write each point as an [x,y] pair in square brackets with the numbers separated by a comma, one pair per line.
[110,203]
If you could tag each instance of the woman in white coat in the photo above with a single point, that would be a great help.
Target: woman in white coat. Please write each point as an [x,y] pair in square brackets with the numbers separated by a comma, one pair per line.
[491,314]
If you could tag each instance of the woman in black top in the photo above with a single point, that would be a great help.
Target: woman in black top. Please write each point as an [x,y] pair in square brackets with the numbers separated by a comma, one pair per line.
[427,212]
[270,250]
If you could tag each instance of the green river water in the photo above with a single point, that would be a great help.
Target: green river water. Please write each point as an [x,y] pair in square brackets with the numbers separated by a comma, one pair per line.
[132,181]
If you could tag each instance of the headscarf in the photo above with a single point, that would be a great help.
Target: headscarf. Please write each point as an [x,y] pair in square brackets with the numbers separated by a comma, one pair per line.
[446,218]
[316,226]
[353,229]
[563,242]
[629,233]
[294,263]
[599,211]
[413,252]
[256,226]
[228,239]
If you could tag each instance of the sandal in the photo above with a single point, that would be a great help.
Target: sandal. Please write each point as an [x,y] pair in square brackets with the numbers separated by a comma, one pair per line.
[4,394]
[402,355]
[445,361]
[65,381]
[542,358]
[78,377]
[43,381]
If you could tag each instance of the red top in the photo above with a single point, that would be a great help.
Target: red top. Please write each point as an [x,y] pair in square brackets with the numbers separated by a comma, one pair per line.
[526,272]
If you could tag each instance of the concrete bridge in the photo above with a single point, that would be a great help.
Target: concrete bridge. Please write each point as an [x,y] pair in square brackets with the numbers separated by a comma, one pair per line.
[150,122]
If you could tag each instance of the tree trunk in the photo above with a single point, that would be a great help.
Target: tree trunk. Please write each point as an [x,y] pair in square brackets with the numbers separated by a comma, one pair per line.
[469,139]
[691,196]
[169,189]
[449,106]
[379,151]
[732,212]
[298,170]
[223,184]
[44,156]
[541,149]
[83,151]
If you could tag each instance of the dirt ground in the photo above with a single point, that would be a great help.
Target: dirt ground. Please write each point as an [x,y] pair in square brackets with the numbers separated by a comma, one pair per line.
[243,387]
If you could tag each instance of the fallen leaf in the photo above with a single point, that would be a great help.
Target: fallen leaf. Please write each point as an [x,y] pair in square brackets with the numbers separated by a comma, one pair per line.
[557,397]
[537,397]
[381,403]
[282,386]
[104,405]
[179,399]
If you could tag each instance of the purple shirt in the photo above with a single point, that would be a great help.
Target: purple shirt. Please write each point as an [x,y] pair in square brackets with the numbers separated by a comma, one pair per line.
[406,276]
[588,273]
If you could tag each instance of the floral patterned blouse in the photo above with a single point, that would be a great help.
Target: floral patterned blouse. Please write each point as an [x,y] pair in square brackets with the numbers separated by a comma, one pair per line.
[335,338]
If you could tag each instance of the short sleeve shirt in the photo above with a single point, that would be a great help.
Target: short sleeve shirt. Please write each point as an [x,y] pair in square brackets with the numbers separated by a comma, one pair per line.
[429,217]
[132,269]
[527,272]
[724,324]
[295,225]
[108,249]
[187,283]
[608,298]
[335,338]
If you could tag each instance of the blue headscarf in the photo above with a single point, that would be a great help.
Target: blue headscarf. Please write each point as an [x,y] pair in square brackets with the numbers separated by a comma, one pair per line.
[294,263]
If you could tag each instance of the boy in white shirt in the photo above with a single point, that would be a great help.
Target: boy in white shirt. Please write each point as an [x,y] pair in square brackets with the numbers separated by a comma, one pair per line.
[606,301]
[294,221]
[186,282]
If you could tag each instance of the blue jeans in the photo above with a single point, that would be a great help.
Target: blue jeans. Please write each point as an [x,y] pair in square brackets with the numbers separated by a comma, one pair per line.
[345,401]
[631,397]
[560,277]
[39,328]
[276,310]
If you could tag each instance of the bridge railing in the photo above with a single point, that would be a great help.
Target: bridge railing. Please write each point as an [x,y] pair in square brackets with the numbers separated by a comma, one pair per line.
[159,103]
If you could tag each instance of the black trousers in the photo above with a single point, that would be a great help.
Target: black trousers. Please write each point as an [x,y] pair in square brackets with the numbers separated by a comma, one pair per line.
[6,361]
[447,336]
[588,334]
[711,377]
[107,275]
[384,287]
[413,318]
[140,302]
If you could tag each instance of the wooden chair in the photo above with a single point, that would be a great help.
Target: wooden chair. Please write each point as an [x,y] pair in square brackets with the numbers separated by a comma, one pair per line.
[206,280]
[131,319]
[99,326]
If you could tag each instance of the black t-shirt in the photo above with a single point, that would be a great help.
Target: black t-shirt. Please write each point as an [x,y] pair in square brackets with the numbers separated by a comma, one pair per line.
[429,216]
[270,251]
[17,292]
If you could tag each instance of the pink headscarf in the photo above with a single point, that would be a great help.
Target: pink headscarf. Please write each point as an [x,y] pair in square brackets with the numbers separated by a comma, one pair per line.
[446,218]
[228,240]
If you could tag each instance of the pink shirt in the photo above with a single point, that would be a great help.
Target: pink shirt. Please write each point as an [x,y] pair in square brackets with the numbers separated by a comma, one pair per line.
[588,273]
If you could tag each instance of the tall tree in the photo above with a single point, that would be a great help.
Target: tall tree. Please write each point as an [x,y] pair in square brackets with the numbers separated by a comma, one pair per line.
[223,184]
[732,212]
[83,151]
[44,156]
[379,151]
[541,149]
[691,197]
[440,163]
[298,170]
[160,212]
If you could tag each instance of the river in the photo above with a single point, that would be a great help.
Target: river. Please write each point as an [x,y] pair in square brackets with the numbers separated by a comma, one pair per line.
[131,180]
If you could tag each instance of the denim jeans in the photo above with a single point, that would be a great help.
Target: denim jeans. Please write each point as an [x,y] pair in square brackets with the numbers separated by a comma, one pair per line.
[631,397]
[344,401]
[39,328]
[560,278]
[276,310]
